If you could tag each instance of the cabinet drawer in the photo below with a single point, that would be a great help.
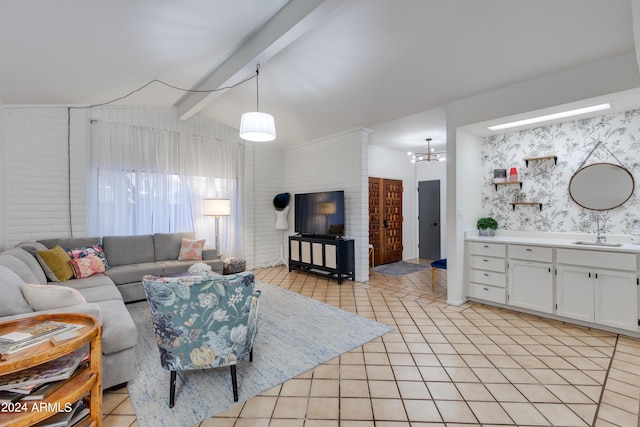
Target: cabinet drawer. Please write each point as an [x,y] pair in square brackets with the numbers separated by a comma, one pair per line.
[488,278]
[487,263]
[531,253]
[488,293]
[597,259]
[490,249]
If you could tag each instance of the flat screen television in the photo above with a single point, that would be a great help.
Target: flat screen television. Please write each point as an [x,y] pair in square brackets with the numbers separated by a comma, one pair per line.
[320,214]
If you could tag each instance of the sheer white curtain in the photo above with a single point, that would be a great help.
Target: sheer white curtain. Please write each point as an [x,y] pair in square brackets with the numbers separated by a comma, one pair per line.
[146,181]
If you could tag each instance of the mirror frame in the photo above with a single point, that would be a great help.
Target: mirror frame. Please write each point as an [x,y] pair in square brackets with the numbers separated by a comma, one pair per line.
[633,186]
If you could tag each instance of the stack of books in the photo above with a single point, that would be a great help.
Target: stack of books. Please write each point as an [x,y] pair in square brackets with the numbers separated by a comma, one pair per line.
[39,381]
[33,335]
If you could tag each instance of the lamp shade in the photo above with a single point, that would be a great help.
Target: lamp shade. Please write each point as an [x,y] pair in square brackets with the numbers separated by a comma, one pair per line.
[327,208]
[258,127]
[216,207]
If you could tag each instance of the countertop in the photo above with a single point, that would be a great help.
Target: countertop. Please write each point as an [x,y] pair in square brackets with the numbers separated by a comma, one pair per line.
[556,240]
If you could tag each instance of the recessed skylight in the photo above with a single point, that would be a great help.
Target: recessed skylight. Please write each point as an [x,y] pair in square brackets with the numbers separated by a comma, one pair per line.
[554,116]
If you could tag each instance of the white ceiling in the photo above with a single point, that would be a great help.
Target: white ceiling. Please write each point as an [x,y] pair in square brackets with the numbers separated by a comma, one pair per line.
[388,65]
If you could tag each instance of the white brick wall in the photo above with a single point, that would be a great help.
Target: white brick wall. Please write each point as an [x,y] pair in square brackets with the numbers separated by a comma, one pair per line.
[264,176]
[36,174]
[337,163]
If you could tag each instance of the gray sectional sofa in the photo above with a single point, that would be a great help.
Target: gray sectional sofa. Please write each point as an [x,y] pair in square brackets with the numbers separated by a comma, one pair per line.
[130,257]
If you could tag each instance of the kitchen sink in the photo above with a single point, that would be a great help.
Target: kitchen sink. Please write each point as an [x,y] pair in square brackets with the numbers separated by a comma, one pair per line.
[612,245]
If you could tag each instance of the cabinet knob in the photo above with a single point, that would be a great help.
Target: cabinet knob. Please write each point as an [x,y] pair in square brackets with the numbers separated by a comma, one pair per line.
[486,274]
[485,260]
[529,250]
[486,289]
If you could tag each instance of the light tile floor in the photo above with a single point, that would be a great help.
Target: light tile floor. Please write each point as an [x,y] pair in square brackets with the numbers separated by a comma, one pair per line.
[443,366]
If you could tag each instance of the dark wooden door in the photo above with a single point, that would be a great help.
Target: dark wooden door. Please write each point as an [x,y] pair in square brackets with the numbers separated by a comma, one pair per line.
[385,219]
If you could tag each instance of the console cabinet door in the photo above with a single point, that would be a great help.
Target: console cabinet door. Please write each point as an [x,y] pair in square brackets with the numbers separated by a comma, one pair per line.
[616,299]
[531,285]
[574,293]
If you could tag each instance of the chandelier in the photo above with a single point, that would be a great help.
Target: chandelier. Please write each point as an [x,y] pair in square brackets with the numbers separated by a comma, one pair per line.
[429,156]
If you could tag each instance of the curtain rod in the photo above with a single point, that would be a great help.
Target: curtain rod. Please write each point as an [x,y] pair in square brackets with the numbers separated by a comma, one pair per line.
[94,121]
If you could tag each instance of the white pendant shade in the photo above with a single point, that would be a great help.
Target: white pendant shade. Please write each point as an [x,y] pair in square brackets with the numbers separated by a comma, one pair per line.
[256,126]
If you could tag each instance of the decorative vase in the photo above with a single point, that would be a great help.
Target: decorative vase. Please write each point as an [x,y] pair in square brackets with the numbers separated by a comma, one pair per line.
[487,232]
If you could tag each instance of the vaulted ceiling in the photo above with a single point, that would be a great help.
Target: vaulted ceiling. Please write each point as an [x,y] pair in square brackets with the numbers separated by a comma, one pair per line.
[327,66]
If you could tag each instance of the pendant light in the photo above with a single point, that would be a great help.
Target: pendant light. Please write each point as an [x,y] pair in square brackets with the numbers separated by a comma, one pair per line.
[256,126]
[429,156]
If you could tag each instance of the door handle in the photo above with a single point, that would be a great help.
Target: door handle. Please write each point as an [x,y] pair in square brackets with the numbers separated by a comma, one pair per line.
[385,223]
[435,224]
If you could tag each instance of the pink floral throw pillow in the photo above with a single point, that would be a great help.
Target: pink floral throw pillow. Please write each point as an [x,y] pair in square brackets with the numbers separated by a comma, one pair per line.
[191,250]
[87,266]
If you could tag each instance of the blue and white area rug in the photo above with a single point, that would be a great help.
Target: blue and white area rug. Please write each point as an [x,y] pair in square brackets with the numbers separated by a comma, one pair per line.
[296,334]
[399,268]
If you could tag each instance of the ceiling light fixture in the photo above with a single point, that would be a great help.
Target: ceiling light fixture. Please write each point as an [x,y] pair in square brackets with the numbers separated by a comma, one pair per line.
[554,116]
[429,156]
[256,126]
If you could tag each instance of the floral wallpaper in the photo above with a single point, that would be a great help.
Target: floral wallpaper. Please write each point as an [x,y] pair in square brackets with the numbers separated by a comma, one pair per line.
[548,183]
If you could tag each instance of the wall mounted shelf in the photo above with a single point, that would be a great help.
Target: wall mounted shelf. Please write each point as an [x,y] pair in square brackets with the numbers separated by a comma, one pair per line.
[554,157]
[513,204]
[495,183]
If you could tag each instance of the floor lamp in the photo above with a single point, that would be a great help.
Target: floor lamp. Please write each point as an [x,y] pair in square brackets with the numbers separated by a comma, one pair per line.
[217,208]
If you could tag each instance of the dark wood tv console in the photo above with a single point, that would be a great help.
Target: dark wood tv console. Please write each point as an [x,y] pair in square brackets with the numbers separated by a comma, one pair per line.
[333,258]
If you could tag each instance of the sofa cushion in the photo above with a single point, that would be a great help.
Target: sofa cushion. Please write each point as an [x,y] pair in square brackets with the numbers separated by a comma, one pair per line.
[86,266]
[55,264]
[122,274]
[167,245]
[31,247]
[118,329]
[70,242]
[100,293]
[12,301]
[123,250]
[191,250]
[47,297]
[24,265]
[85,251]
[94,281]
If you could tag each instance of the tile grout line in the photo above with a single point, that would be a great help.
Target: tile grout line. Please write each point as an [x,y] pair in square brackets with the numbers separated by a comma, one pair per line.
[606,378]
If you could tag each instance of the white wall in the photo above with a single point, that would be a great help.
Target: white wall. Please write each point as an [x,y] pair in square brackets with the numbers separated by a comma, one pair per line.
[336,163]
[393,164]
[264,171]
[37,180]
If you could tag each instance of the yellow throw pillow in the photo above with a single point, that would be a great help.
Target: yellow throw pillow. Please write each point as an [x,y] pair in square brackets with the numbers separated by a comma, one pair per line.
[55,263]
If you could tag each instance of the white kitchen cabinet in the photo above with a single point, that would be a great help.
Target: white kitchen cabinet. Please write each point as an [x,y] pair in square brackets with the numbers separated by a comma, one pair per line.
[588,291]
[616,299]
[487,272]
[574,293]
[531,285]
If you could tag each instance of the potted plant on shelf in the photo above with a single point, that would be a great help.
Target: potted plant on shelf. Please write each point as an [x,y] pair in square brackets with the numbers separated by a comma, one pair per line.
[487,226]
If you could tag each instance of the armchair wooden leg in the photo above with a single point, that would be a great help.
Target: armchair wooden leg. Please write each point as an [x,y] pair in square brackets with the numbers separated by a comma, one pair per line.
[234,382]
[433,279]
[172,389]
[251,355]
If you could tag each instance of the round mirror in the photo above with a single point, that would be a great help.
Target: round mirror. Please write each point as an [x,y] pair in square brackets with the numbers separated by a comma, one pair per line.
[601,186]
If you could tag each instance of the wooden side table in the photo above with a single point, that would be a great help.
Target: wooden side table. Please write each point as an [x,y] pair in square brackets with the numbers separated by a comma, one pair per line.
[84,384]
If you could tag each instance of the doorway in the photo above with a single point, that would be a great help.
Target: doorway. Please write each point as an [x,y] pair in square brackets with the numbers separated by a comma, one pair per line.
[385,219]
[429,219]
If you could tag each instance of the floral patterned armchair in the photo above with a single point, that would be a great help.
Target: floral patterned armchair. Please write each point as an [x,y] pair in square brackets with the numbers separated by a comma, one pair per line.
[203,322]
